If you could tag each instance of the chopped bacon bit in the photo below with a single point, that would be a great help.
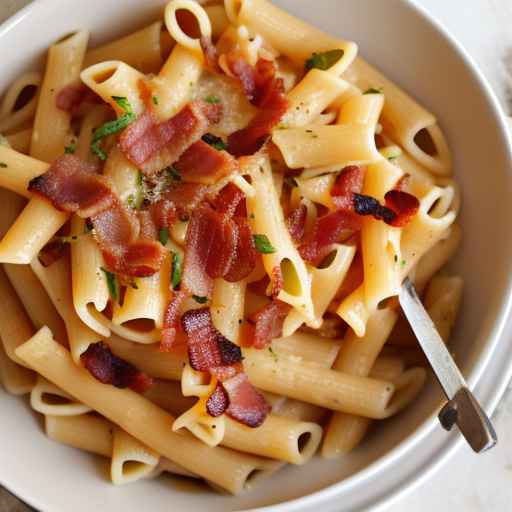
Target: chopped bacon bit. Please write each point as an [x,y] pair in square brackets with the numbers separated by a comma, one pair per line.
[273,105]
[152,146]
[172,321]
[328,230]
[245,255]
[110,369]
[242,70]
[203,348]
[404,205]
[185,197]
[349,182]
[51,252]
[229,352]
[218,402]
[231,201]
[246,404]
[269,322]
[265,73]
[202,163]
[72,99]
[148,228]
[163,213]
[224,245]
[223,373]
[72,185]
[403,183]
[210,53]
[367,205]
[296,223]
[276,281]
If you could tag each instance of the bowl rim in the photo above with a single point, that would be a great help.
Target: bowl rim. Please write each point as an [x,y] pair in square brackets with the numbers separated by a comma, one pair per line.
[454,440]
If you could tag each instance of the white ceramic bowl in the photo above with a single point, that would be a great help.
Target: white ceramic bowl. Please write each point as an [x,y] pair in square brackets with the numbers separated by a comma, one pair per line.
[418,54]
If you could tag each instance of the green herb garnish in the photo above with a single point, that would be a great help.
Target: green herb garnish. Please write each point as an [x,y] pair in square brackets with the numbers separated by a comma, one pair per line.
[163,236]
[70,149]
[173,173]
[403,263]
[323,60]
[112,284]
[112,127]
[263,244]
[155,100]
[374,90]
[213,100]
[274,355]
[176,270]
[214,141]
[135,200]
[200,300]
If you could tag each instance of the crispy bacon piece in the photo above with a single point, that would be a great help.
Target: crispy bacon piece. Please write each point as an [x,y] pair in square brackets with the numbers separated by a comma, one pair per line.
[163,213]
[72,186]
[152,146]
[148,227]
[296,223]
[210,54]
[269,97]
[231,201]
[202,163]
[185,198]
[400,207]
[218,402]
[349,182]
[51,252]
[210,351]
[328,230]
[103,365]
[172,321]
[243,71]
[276,281]
[269,323]
[246,404]
[73,98]
[403,183]
[404,205]
[245,255]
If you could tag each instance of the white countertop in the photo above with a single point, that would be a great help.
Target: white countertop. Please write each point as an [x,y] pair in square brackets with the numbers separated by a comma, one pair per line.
[468,483]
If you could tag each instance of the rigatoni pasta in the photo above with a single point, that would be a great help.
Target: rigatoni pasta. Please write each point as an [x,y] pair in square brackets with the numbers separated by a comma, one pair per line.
[222,207]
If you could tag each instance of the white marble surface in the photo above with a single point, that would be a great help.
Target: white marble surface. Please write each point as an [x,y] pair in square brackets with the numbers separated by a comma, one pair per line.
[468,483]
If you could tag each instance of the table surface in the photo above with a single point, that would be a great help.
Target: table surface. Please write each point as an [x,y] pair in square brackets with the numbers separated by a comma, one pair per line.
[467,483]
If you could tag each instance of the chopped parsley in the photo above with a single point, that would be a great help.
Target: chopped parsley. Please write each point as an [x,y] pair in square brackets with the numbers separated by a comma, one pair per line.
[263,244]
[155,100]
[112,127]
[176,270]
[374,90]
[163,236]
[323,60]
[213,100]
[173,173]
[3,165]
[135,200]
[200,300]
[403,263]
[214,141]
[70,149]
[274,355]
[112,284]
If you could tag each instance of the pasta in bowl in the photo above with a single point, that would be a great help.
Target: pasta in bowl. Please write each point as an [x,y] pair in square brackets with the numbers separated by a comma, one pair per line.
[206,225]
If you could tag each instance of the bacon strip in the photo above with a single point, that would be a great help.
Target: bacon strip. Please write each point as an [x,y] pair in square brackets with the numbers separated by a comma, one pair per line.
[269,97]
[268,322]
[231,201]
[296,223]
[404,205]
[349,182]
[152,146]
[110,369]
[72,185]
[73,98]
[328,230]
[246,404]
[244,257]
[210,351]
[51,252]
[202,163]
[171,322]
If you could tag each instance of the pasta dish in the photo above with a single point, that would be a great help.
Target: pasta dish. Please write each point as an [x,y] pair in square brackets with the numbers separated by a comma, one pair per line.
[205,226]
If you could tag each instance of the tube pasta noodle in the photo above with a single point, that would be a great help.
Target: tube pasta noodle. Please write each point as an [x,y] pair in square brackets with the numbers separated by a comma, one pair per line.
[56,279]
[266,216]
[11,117]
[54,362]
[239,209]
[48,399]
[141,50]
